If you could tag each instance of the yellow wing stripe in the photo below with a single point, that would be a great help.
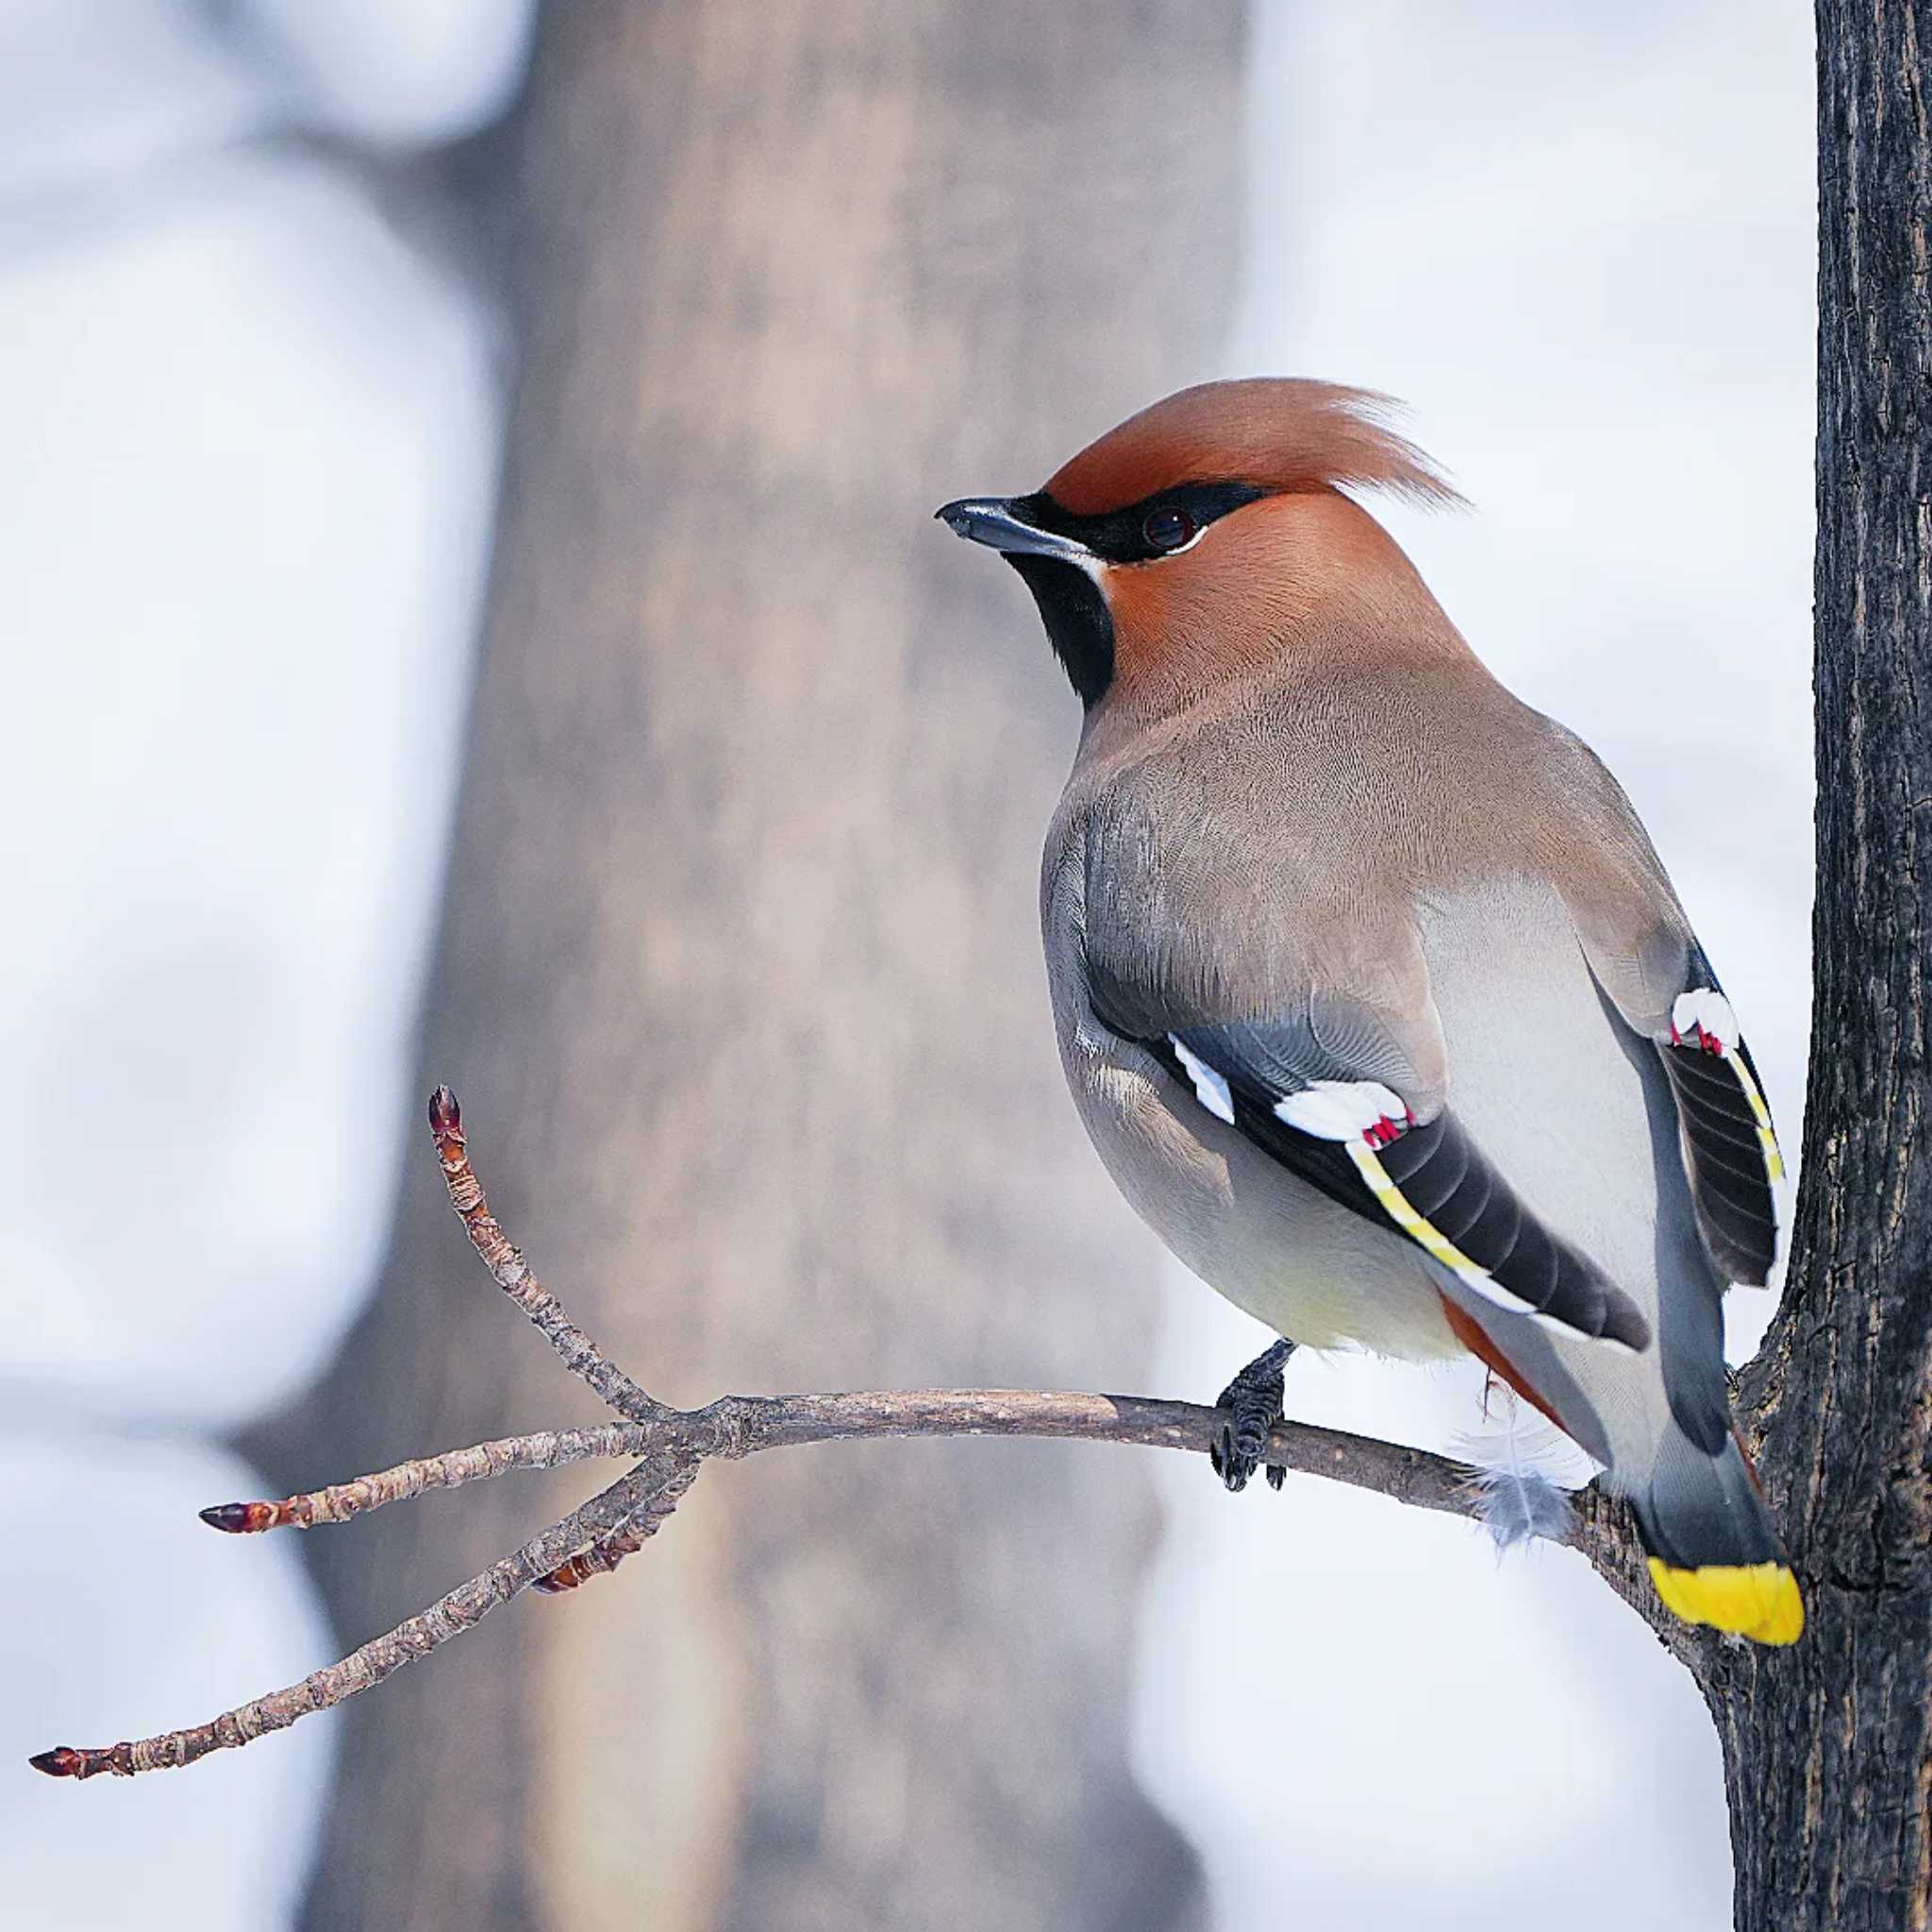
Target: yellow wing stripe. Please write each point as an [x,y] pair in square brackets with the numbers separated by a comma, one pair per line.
[1756,1600]
[1767,1140]
[1396,1205]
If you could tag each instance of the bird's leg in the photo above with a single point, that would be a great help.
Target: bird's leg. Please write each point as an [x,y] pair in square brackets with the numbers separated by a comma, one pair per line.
[1251,1405]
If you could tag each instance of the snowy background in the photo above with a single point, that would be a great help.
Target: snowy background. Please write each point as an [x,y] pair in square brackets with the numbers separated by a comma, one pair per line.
[252,428]
[253,414]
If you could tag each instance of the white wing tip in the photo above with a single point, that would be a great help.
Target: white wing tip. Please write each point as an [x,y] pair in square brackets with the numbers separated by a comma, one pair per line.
[1210,1088]
[1704,1010]
[1340,1109]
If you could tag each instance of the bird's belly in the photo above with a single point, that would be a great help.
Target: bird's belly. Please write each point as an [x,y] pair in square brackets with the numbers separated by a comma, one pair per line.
[1274,1246]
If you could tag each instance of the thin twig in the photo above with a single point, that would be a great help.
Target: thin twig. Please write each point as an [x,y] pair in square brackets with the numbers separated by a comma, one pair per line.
[513,1274]
[675,1443]
[744,1425]
[546,1449]
[740,1425]
[650,1490]
[616,1522]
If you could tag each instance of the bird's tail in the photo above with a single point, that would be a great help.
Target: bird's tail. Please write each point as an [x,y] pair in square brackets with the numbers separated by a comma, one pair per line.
[1714,1557]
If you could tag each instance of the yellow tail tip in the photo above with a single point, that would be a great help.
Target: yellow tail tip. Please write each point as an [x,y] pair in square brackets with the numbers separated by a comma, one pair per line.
[1756,1600]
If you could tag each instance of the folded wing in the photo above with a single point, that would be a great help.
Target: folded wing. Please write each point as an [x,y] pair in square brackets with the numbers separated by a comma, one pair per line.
[1314,1092]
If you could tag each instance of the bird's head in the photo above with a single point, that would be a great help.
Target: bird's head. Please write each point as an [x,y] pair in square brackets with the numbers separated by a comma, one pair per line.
[1208,528]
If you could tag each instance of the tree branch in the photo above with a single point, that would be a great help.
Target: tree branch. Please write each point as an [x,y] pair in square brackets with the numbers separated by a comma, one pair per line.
[671,1446]
[647,1494]
[451,1470]
[512,1273]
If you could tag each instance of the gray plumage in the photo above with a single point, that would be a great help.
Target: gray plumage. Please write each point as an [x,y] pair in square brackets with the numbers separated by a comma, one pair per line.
[1372,993]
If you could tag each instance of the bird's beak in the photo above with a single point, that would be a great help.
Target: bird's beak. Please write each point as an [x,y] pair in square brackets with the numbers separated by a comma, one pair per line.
[998,522]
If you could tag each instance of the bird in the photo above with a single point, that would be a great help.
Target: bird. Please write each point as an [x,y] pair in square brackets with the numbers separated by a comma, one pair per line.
[1370,989]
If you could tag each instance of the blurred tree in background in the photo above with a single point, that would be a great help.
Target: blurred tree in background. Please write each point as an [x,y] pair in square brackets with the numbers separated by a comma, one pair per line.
[738,978]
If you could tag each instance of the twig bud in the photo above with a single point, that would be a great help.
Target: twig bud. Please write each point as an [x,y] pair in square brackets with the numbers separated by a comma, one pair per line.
[565,1576]
[64,1760]
[242,1519]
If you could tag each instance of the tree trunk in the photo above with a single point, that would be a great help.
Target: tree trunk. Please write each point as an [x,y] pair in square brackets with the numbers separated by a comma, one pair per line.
[1828,1745]
[738,983]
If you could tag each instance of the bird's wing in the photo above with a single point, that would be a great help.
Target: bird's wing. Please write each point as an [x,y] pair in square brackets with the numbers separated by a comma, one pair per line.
[1647,960]
[1729,1146]
[1328,1088]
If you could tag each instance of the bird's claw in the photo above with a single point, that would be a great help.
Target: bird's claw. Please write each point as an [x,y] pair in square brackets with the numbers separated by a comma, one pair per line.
[1250,1406]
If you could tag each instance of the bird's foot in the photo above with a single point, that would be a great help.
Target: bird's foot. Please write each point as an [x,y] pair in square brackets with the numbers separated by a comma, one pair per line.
[1250,1406]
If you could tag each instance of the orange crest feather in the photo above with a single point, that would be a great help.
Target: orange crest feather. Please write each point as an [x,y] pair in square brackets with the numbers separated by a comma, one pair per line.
[1280,433]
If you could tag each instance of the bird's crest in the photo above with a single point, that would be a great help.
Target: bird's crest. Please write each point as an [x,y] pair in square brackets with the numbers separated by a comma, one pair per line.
[1280,433]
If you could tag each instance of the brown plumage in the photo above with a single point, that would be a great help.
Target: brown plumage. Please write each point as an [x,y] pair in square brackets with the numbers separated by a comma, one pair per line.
[1284,433]
[1317,575]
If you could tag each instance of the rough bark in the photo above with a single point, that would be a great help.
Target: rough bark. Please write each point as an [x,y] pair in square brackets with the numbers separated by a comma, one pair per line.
[1828,1745]
[738,943]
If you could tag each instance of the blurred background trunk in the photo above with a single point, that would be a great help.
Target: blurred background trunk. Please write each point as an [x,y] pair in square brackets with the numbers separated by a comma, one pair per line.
[738,982]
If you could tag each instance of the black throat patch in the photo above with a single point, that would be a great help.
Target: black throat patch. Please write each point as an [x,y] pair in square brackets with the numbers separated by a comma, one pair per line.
[1076,620]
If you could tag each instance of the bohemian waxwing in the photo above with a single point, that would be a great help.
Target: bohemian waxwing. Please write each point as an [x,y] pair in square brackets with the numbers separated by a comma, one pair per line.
[1372,993]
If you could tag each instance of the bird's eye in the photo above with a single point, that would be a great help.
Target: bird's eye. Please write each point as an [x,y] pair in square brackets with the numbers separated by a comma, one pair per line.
[1168,528]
